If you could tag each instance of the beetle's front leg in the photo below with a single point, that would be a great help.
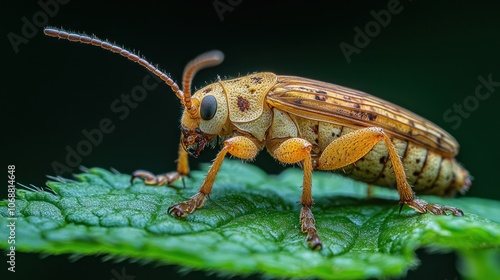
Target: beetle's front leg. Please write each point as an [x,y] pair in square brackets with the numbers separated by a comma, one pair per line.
[238,146]
[351,147]
[168,178]
[299,150]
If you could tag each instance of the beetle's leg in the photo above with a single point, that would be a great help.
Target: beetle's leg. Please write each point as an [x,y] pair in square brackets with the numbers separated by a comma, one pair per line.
[351,147]
[168,178]
[299,150]
[238,146]
[423,206]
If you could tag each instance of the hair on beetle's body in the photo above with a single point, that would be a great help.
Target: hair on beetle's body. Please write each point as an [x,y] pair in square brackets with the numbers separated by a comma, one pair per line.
[319,125]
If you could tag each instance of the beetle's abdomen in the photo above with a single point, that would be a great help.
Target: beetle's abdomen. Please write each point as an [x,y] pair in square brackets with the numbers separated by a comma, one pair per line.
[427,171]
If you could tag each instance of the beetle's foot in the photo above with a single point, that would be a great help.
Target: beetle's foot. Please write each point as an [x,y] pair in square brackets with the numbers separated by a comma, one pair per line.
[423,207]
[156,180]
[184,208]
[307,221]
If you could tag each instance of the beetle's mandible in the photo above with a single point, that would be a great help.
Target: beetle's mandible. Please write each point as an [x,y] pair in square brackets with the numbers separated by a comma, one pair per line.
[319,125]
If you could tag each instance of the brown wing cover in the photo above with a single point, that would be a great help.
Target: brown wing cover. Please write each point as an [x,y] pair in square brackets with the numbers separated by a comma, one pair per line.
[348,107]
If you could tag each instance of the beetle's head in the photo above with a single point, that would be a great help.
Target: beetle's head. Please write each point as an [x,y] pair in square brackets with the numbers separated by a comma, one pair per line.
[194,140]
[205,113]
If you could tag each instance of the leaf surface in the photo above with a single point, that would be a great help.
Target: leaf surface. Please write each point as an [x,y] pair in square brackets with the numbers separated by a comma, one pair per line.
[250,224]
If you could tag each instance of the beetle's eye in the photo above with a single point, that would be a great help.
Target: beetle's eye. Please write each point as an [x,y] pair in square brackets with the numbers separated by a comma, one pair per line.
[208,107]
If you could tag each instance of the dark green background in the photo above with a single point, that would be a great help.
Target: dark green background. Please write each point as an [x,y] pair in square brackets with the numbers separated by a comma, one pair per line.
[427,59]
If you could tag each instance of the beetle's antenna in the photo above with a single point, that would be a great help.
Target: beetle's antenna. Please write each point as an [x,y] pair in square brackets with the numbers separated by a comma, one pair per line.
[62,34]
[208,59]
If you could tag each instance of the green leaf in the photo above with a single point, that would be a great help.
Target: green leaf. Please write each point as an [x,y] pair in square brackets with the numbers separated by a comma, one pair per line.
[250,224]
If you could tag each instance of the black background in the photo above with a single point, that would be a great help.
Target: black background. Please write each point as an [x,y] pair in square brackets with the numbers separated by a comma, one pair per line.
[427,59]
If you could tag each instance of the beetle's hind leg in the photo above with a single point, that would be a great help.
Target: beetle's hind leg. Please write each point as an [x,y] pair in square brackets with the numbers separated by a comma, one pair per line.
[351,147]
[423,206]
[168,178]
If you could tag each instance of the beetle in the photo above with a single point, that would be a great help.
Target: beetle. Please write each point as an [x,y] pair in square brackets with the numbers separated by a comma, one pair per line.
[318,125]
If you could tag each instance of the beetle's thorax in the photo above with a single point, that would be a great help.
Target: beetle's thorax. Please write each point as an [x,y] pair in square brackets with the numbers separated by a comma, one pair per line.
[229,107]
